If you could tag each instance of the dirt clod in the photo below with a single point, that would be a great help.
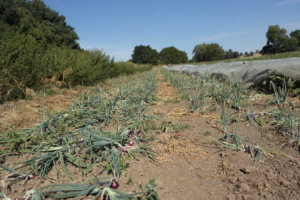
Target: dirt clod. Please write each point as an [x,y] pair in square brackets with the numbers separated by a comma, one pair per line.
[285,183]
[244,187]
[222,154]
[248,169]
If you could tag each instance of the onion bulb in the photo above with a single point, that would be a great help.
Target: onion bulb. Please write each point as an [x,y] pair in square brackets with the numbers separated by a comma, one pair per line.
[130,143]
[114,185]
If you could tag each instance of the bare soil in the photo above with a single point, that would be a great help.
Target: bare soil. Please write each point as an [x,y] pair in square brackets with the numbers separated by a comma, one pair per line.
[190,165]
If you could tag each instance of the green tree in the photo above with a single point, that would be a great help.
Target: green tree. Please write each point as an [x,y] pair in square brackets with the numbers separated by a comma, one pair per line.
[276,38]
[144,55]
[236,54]
[171,55]
[296,34]
[18,14]
[208,52]
[231,54]
[291,44]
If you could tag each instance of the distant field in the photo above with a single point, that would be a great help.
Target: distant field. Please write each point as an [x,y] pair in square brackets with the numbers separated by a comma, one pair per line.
[255,57]
[269,57]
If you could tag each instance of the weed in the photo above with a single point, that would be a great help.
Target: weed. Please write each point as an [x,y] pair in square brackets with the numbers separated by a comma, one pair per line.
[129,181]
[213,109]
[184,96]
[171,101]
[180,127]
[207,133]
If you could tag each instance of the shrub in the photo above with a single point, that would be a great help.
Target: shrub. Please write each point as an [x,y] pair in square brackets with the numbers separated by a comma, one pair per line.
[25,63]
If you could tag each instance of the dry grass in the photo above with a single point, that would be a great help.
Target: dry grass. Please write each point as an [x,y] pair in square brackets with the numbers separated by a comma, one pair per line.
[165,92]
[180,112]
[256,55]
[185,149]
[27,113]
[24,114]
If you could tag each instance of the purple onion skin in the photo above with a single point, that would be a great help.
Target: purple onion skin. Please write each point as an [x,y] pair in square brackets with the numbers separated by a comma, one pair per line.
[114,185]
[130,143]
[123,149]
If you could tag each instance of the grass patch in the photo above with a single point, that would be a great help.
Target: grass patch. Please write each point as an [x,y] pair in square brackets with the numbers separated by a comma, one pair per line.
[166,126]
[207,133]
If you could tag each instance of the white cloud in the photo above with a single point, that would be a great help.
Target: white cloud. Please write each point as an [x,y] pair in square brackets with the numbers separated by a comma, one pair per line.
[287,2]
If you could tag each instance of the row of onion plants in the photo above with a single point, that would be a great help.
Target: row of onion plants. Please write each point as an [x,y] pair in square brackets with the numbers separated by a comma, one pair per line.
[79,137]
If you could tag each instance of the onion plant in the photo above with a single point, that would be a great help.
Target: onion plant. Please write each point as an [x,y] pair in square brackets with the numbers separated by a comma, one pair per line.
[76,137]
[281,93]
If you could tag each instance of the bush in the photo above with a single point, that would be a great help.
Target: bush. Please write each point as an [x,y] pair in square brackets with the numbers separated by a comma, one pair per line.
[25,63]
[21,64]
[128,68]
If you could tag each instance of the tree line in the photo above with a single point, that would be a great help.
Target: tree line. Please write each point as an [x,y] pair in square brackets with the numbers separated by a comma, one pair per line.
[169,55]
[277,42]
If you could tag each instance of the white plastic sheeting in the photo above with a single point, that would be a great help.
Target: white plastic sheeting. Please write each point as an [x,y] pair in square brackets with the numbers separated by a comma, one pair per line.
[251,72]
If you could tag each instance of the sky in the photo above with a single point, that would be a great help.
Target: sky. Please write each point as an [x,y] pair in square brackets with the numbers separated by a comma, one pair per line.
[117,26]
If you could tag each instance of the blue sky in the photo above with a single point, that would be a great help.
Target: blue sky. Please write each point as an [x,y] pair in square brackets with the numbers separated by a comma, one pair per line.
[117,26]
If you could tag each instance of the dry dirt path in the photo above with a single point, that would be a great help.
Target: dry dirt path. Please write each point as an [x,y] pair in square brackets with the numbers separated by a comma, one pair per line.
[190,165]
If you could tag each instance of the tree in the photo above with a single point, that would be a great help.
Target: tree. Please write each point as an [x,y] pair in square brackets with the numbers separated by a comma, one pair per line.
[246,53]
[208,52]
[172,55]
[236,54]
[257,51]
[144,55]
[229,54]
[25,15]
[291,44]
[251,53]
[276,38]
[296,34]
